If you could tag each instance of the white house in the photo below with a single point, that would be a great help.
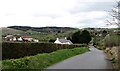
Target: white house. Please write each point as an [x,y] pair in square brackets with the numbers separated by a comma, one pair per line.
[20,39]
[14,38]
[63,41]
[35,40]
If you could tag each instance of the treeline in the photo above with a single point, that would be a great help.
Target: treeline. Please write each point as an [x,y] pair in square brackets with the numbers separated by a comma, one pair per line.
[18,50]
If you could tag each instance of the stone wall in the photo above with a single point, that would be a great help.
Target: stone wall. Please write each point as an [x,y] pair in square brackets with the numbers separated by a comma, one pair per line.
[114,56]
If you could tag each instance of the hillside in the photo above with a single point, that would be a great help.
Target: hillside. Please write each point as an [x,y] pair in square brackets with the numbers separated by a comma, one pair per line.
[43,34]
[10,31]
[43,29]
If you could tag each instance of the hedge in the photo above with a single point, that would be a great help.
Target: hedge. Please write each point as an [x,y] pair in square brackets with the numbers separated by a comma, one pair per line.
[13,50]
[41,61]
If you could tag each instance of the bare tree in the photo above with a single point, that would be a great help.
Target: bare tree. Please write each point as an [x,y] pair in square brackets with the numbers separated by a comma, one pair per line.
[115,14]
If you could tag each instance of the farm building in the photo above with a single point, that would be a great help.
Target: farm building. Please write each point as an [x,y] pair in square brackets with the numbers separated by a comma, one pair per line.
[63,41]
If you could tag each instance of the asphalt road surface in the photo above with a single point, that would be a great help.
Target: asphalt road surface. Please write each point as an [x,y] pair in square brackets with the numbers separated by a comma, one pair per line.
[95,59]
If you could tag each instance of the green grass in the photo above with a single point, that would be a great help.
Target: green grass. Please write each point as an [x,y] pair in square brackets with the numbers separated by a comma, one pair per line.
[41,61]
[47,36]
[10,31]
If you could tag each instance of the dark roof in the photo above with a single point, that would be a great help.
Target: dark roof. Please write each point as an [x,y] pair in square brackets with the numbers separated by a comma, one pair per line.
[64,41]
[9,36]
[26,37]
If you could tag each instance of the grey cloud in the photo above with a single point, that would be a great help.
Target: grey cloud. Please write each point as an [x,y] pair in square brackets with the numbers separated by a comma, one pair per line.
[98,6]
[52,16]
[91,23]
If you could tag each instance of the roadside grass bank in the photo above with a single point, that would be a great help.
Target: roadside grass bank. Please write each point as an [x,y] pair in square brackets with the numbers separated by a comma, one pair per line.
[42,61]
[111,44]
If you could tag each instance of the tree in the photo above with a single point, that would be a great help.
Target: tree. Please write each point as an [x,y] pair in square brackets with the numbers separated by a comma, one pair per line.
[85,37]
[116,21]
[104,33]
[52,40]
[115,14]
[81,37]
[76,37]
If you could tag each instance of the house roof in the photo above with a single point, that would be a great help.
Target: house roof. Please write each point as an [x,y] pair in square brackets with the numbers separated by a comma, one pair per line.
[9,36]
[26,37]
[65,41]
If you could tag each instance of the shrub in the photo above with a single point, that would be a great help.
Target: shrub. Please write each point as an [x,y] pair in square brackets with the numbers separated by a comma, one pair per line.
[21,49]
[112,40]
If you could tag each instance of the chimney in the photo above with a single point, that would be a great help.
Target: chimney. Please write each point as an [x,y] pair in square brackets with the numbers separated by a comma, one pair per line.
[57,38]
[65,38]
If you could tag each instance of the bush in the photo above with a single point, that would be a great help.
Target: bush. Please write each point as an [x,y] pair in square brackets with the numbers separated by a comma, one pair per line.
[21,49]
[52,40]
[41,61]
[112,40]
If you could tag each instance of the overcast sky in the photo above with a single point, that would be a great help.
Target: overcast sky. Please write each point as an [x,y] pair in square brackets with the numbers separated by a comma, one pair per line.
[61,13]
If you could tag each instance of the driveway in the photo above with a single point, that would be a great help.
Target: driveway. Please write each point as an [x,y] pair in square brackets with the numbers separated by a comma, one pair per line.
[95,59]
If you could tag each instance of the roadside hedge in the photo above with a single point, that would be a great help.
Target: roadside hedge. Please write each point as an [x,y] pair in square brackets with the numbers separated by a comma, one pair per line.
[40,61]
[13,50]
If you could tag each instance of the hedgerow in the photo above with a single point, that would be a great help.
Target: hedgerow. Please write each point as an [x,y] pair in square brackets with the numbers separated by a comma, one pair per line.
[41,61]
[12,50]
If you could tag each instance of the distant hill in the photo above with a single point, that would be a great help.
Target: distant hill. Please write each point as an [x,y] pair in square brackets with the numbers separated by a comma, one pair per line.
[43,29]
[10,31]
[43,34]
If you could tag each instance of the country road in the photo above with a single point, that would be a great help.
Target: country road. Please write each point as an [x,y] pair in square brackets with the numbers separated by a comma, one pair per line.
[95,59]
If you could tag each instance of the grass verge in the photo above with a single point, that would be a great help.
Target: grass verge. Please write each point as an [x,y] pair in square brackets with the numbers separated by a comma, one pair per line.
[41,61]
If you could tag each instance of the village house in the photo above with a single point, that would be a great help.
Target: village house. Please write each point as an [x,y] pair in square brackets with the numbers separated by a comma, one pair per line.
[27,38]
[20,39]
[63,41]
[10,38]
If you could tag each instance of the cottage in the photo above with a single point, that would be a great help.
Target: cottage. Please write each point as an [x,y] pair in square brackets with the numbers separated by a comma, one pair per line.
[63,41]
[10,38]
[14,39]
[20,39]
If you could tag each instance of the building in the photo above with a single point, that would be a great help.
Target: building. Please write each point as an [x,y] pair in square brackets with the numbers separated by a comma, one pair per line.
[10,38]
[63,41]
[27,38]
[20,39]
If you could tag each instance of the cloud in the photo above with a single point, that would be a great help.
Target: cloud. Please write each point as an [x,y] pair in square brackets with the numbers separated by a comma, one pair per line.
[41,13]
[92,6]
